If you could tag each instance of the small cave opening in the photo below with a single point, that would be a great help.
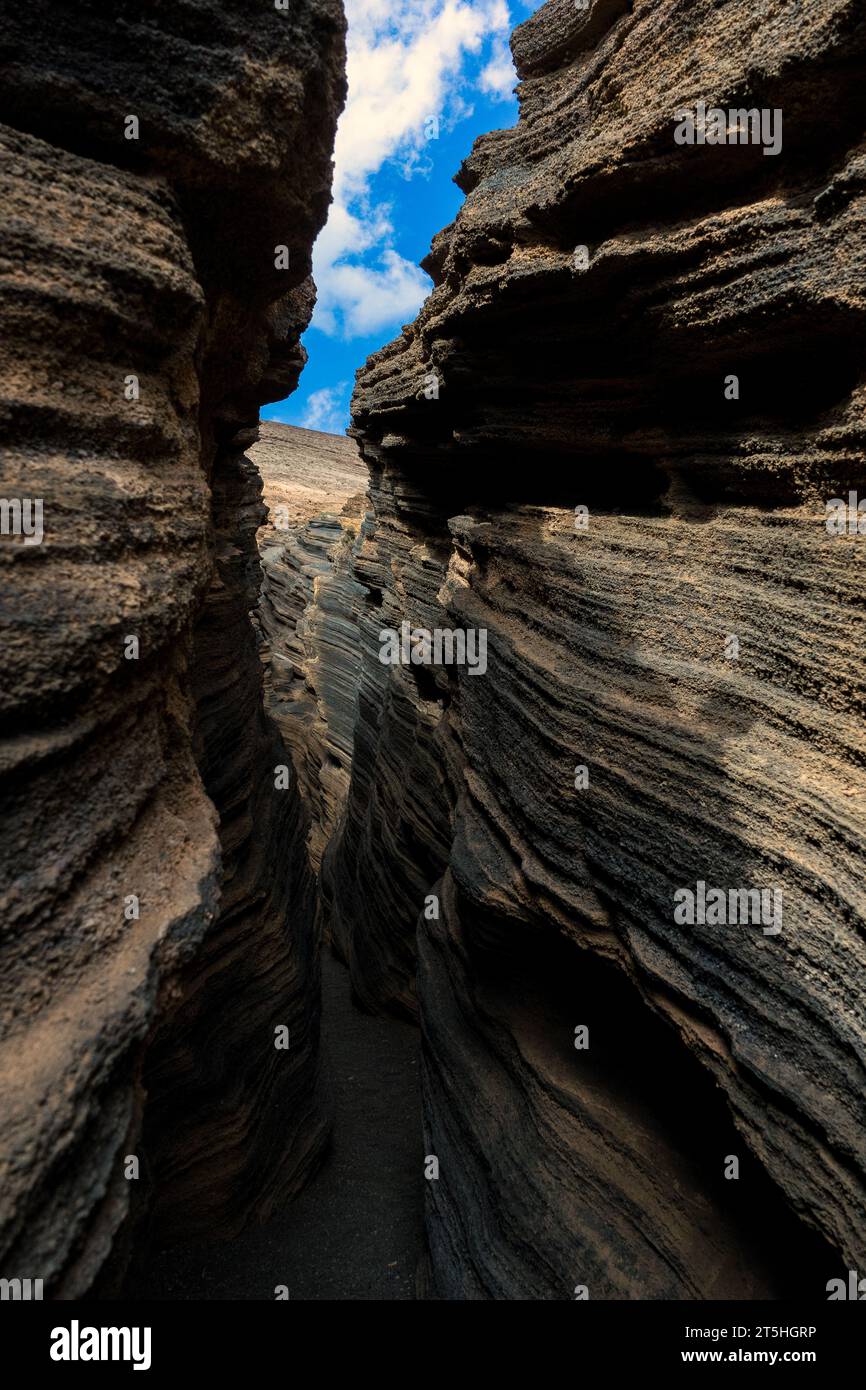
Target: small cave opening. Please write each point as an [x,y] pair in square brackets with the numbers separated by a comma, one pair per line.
[648,1124]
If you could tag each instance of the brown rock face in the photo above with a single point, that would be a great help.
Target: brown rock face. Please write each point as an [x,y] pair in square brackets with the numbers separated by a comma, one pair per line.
[673,692]
[152,941]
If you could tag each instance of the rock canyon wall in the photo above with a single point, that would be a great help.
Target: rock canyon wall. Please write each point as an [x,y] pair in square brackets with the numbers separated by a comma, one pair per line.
[607,442]
[157,899]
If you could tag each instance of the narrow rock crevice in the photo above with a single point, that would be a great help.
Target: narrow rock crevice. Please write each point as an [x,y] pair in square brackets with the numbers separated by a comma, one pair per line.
[650,371]
[356,1231]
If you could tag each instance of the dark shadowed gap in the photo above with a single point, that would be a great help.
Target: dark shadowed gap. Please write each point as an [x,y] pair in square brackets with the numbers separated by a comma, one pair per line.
[638,1065]
[355,1232]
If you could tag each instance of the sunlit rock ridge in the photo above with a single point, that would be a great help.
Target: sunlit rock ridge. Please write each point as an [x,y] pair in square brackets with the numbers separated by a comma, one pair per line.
[314,488]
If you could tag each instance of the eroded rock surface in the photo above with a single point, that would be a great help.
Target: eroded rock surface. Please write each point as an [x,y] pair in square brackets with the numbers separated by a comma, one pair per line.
[315,490]
[156,897]
[608,649]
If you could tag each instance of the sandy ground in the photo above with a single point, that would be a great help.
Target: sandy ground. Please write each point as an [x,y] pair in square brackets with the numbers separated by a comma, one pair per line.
[355,1233]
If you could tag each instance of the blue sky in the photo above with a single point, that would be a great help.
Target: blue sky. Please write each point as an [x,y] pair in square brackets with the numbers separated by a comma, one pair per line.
[425,78]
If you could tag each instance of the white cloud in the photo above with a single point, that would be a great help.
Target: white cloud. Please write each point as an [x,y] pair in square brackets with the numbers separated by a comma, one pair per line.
[405,56]
[498,78]
[371,298]
[407,65]
[326,410]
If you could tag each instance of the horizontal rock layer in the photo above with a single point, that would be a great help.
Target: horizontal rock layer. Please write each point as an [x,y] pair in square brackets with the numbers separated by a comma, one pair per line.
[559,459]
[151,941]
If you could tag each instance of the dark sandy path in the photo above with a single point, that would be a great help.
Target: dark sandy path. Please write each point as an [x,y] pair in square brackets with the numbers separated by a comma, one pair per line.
[355,1232]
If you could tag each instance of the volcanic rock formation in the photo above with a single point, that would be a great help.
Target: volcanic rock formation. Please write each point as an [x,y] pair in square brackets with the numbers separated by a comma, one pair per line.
[156,897]
[560,456]
[314,487]
[607,444]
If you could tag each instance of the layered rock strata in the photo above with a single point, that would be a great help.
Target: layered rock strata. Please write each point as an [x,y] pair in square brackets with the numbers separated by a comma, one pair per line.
[157,908]
[608,442]
[314,487]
